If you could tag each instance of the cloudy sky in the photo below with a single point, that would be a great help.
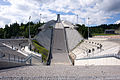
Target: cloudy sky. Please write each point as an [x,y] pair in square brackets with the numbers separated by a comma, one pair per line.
[99,11]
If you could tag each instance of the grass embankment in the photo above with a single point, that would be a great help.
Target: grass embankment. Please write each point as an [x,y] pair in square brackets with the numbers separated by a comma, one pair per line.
[41,50]
[102,34]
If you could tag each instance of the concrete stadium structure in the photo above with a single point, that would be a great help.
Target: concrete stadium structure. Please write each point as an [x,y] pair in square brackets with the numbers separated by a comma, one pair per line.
[15,52]
[59,37]
[93,59]
[66,44]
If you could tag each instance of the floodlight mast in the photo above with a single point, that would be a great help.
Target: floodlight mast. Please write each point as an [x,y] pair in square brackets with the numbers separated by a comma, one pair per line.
[88,27]
[40,18]
[77,19]
[29,28]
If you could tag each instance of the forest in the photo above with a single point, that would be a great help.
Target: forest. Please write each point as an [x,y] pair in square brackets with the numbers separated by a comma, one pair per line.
[19,30]
[94,30]
[22,30]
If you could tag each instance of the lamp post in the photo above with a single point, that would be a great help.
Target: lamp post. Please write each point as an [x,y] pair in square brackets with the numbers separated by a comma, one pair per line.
[40,18]
[44,18]
[88,27]
[77,19]
[29,27]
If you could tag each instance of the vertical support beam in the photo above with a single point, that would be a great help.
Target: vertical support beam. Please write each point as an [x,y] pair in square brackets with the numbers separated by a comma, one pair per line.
[18,58]
[31,61]
[14,57]
[9,57]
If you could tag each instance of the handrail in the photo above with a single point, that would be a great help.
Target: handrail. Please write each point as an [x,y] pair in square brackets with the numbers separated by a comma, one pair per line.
[14,58]
[30,58]
[11,57]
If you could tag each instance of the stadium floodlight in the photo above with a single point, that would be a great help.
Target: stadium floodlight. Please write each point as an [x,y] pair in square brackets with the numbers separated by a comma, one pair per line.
[29,28]
[77,19]
[88,27]
[40,17]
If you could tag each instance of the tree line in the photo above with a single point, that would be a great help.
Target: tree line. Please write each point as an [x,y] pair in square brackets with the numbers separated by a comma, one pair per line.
[17,30]
[82,29]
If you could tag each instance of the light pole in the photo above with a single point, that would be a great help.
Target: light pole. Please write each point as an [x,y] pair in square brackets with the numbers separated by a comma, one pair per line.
[88,27]
[44,18]
[40,18]
[77,19]
[29,27]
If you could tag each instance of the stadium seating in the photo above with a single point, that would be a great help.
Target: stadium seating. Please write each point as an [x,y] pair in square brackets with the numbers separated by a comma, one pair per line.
[93,48]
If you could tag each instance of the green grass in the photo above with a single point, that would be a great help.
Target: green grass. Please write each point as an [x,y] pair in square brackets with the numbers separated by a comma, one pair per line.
[41,50]
[102,34]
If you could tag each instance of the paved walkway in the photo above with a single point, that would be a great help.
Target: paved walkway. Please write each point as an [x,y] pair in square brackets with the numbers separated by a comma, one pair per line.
[61,72]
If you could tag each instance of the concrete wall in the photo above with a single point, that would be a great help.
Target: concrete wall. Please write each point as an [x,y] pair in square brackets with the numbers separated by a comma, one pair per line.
[7,64]
[73,38]
[44,38]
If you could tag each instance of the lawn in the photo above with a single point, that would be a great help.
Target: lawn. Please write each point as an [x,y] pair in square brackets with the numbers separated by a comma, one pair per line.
[102,34]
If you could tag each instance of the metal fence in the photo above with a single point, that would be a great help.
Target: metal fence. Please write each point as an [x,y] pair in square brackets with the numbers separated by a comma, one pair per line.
[11,57]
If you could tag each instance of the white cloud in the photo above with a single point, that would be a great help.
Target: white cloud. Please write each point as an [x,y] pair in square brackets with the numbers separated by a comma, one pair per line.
[98,10]
[117,22]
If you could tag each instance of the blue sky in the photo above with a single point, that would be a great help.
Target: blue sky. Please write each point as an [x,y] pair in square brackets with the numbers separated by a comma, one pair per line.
[2,2]
[61,13]
[99,11]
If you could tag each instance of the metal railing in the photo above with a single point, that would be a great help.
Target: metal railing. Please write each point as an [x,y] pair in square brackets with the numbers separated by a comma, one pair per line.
[17,59]
[11,57]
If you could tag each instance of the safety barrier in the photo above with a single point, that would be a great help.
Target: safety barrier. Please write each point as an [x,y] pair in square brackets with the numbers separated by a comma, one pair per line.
[17,59]
[11,57]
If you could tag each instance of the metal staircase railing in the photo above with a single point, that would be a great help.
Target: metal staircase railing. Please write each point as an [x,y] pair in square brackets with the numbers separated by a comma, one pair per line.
[29,58]
[17,59]
[11,57]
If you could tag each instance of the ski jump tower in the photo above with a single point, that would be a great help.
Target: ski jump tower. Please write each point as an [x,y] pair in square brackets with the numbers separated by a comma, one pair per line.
[59,37]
